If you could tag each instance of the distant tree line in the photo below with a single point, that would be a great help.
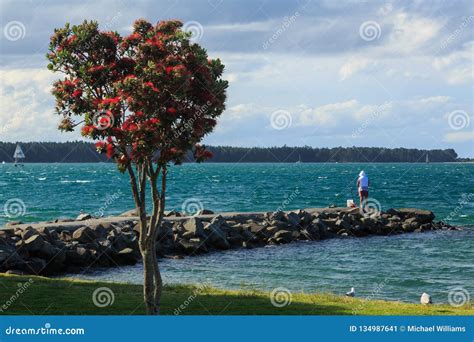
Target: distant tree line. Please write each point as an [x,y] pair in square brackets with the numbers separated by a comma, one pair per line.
[84,152]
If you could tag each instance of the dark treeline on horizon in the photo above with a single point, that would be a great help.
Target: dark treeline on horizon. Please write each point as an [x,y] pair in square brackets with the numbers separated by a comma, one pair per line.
[84,152]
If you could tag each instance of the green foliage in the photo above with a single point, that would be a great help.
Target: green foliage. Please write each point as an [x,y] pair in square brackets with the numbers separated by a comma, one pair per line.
[151,95]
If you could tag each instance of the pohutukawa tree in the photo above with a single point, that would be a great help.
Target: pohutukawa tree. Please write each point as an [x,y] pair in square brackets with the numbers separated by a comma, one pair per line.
[147,99]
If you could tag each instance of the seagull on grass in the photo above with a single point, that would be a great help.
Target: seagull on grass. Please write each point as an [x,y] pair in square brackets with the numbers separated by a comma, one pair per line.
[351,293]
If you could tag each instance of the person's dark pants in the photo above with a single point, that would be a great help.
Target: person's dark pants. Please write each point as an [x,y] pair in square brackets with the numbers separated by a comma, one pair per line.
[363,195]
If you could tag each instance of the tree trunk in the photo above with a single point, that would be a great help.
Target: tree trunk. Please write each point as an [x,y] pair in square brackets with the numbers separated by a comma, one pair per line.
[148,283]
[158,282]
[152,281]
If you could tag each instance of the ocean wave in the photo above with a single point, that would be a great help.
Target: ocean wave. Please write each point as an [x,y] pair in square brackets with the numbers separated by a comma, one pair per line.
[75,181]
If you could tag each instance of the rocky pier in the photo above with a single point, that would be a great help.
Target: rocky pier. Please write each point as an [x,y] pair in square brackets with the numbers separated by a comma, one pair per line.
[73,246]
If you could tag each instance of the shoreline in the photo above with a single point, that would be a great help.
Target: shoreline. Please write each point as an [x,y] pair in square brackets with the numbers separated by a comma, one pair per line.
[180,299]
[72,246]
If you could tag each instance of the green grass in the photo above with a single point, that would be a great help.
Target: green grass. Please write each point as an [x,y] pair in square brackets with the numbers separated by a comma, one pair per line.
[45,296]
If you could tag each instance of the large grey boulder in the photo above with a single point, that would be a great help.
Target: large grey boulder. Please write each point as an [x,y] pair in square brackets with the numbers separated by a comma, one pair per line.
[34,243]
[34,266]
[194,227]
[218,221]
[47,251]
[422,216]
[84,235]
[283,236]
[26,233]
[248,235]
[217,234]
[271,216]
[311,233]
[205,212]
[127,256]
[305,217]
[322,227]
[100,230]
[165,231]
[79,256]
[192,246]
[9,258]
[343,224]
[293,219]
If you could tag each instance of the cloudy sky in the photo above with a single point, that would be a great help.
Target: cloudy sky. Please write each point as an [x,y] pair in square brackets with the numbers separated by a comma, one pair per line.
[318,73]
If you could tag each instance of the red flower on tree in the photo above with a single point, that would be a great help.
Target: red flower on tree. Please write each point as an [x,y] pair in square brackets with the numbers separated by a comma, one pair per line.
[77,93]
[171,110]
[109,101]
[152,86]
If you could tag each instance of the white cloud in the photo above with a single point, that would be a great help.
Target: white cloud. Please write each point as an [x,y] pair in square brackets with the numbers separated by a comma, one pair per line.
[326,115]
[257,26]
[454,137]
[433,100]
[373,112]
[27,111]
[352,66]
[410,32]
[457,66]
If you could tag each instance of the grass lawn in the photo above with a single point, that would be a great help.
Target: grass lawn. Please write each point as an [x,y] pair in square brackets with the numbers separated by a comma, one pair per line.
[45,296]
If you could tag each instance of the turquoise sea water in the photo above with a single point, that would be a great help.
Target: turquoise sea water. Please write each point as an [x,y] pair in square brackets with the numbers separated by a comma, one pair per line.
[50,191]
[402,267]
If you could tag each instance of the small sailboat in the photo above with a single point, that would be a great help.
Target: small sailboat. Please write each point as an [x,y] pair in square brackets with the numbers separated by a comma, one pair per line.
[427,160]
[18,155]
[299,160]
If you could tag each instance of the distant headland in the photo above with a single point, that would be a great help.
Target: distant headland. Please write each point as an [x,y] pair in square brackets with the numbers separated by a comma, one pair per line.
[84,152]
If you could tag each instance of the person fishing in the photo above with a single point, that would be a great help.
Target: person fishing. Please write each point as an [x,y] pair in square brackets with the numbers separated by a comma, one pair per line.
[363,187]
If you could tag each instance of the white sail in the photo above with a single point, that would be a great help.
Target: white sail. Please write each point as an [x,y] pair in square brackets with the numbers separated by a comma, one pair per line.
[18,153]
